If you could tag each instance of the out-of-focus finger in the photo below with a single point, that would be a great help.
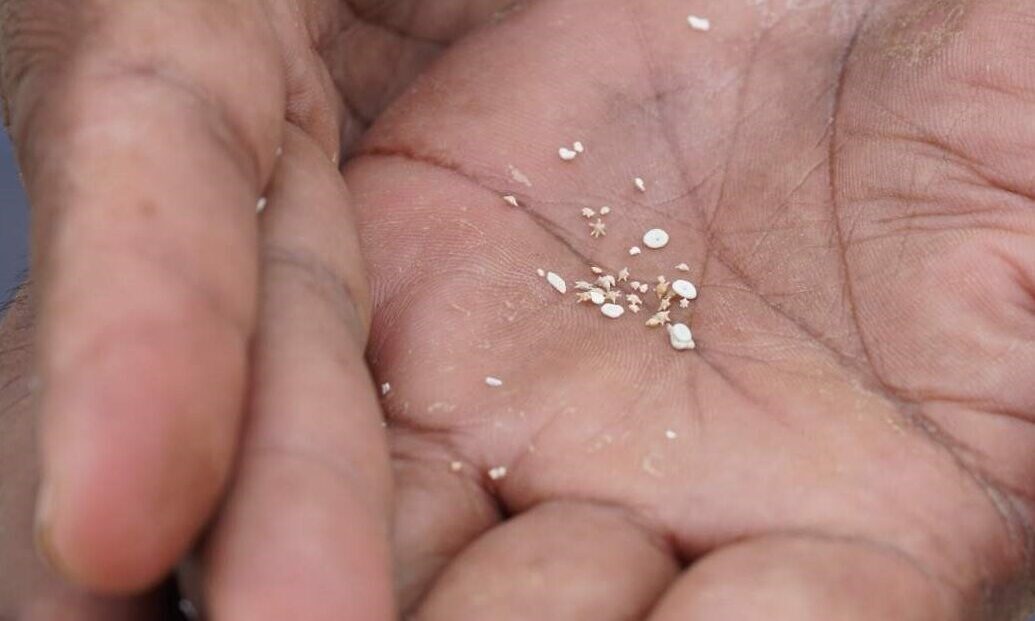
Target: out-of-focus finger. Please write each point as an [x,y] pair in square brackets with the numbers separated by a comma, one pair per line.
[28,590]
[305,531]
[146,132]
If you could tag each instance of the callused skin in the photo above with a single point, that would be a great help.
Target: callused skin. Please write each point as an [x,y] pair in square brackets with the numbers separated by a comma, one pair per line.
[849,183]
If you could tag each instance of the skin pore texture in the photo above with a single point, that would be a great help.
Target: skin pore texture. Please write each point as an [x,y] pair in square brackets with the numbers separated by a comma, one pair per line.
[849,183]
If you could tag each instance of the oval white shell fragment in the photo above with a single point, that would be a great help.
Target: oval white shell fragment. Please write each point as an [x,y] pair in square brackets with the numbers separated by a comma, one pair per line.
[567,154]
[494,382]
[456,466]
[680,337]
[498,473]
[699,23]
[557,282]
[635,250]
[511,200]
[541,272]
[685,289]
[671,435]
[640,184]
[260,206]
[605,210]
[578,147]
[596,296]
[613,311]
[655,239]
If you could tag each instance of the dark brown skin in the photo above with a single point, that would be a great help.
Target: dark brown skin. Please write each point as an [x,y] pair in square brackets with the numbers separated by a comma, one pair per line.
[850,183]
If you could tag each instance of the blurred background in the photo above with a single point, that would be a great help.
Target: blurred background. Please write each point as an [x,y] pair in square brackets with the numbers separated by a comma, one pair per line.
[13,223]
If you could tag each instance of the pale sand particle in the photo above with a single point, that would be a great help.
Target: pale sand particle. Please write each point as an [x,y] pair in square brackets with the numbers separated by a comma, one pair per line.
[456,466]
[685,289]
[498,473]
[671,435]
[567,154]
[613,311]
[683,267]
[260,206]
[511,200]
[680,337]
[655,239]
[635,250]
[493,382]
[385,388]
[640,184]
[699,23]
[541,272]
[557,282]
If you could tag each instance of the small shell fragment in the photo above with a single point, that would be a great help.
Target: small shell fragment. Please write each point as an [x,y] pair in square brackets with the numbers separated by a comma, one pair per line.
[680,337]
[659,319]
[498,473]
[260,205]
[596,270]
[541,272]
[699,23]
[635,250]
[597,297]
[385,389]
[655,239]
[683,267]
[605,210]
[456,466]
[511,200]
[493,382]
[578,147]
[640,184]
[567,154]
[685,289]
[623,274]
[671,435]
[613,311]
[557,282]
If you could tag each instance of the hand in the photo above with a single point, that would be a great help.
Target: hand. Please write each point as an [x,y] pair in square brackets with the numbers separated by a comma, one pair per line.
[147,134]
[850,183]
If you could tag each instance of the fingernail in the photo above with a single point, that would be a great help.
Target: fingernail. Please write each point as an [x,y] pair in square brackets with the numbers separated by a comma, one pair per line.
[42,529]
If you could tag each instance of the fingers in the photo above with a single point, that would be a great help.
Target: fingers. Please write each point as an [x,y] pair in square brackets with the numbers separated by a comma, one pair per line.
[799,579]
[557,561]
[440,508]
[147,131]
[304,533]
[28,591]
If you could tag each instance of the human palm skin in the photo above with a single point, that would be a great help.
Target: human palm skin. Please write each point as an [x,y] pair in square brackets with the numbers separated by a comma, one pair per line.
[848,183]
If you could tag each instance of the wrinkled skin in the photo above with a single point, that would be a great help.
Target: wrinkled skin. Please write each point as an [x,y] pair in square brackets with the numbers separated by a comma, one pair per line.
[850,185]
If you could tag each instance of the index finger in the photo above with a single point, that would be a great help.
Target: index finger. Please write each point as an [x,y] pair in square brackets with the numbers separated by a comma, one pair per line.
[146,132]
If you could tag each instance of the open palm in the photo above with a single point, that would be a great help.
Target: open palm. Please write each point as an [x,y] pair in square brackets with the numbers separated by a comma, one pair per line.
[849,185]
